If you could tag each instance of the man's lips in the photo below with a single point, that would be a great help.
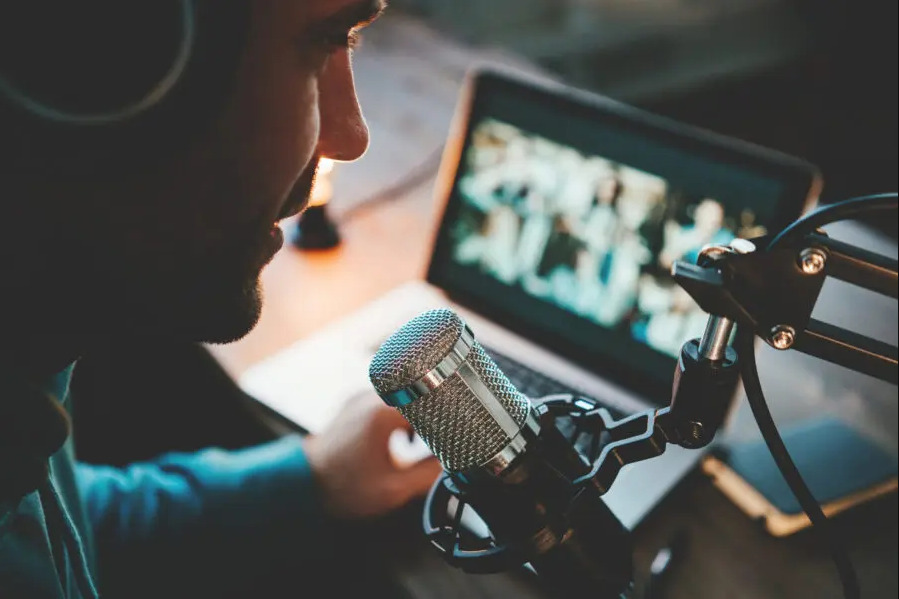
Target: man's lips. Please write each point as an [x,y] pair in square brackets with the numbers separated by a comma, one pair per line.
[293,208]
[299,195]
[274,242]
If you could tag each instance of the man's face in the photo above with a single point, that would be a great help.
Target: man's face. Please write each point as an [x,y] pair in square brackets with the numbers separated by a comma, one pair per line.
[180,251]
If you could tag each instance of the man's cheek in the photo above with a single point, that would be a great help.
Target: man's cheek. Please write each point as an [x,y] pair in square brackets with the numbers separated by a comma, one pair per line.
[307,142]
[298,150]
[304,138]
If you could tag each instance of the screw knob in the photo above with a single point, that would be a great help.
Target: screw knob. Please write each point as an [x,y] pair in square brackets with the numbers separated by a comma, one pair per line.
[782,337]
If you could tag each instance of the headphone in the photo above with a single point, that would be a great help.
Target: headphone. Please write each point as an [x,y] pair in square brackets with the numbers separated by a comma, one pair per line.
[35,103]
[91,87]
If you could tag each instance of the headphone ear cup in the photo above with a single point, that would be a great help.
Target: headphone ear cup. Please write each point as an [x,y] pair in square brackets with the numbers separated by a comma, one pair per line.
[92,62]
[35,144]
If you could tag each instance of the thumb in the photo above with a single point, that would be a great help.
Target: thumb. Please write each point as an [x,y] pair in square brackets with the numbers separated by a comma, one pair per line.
[418,478]
[387,420]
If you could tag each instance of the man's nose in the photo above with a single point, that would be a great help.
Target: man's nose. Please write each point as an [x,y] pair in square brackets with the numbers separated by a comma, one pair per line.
[344,133]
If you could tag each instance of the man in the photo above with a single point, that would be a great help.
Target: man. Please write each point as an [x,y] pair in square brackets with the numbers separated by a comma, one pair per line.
[150,215]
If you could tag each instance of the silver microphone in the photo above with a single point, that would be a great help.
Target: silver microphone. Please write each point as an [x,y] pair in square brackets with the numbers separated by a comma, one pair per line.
[452,393]
[514,468]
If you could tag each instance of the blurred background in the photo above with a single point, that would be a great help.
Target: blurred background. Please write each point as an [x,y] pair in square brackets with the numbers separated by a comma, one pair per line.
[813,78]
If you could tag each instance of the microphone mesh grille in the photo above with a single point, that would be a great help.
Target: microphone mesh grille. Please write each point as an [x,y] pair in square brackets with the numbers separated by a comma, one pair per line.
[455,424]
[414,350]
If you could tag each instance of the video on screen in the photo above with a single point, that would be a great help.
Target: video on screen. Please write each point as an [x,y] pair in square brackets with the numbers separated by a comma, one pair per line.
[585,233]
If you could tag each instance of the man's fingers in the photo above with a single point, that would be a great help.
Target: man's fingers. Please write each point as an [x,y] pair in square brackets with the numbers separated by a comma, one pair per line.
[390,419]
[419,477]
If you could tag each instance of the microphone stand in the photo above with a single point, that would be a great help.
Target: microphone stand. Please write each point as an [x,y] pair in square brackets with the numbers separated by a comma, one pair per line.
[767,286]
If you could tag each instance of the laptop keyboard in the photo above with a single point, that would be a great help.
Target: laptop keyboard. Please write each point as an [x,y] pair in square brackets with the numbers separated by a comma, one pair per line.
[535,384]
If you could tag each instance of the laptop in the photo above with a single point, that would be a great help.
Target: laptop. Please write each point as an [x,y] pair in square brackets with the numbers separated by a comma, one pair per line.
[563,213]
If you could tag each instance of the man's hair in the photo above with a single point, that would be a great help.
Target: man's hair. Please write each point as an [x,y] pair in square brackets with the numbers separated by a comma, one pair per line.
[102,54]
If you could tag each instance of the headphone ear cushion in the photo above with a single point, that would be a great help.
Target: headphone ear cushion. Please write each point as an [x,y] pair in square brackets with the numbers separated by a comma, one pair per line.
[91,56]
[116,63]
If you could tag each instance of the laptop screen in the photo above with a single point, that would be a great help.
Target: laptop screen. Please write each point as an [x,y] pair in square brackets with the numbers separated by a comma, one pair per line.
[565,216]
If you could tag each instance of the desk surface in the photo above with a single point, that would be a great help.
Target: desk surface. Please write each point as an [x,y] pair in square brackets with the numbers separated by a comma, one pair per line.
[408,78]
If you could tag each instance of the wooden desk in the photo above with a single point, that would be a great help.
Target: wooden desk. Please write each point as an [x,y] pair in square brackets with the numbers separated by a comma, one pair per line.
[408,78]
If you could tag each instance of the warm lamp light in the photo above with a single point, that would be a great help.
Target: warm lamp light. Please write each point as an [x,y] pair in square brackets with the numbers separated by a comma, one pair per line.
[314,230]
[323,188]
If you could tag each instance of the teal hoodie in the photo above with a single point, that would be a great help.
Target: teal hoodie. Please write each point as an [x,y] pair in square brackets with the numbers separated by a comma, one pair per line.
[69,530]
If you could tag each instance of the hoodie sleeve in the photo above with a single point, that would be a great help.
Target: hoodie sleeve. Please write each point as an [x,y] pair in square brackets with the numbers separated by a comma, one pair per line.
[189,522]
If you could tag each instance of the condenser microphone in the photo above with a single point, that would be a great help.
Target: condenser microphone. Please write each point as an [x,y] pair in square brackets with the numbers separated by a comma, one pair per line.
[515,469]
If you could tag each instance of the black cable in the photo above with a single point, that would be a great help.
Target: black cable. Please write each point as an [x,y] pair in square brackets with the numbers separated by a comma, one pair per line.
[412,179]
[844,210]
[823,526]
[847,209]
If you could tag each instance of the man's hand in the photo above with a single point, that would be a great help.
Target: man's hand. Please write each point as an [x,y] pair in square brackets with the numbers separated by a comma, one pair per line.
[357,477]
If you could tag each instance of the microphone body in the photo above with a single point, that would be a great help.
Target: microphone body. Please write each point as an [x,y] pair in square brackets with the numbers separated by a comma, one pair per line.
[512,466]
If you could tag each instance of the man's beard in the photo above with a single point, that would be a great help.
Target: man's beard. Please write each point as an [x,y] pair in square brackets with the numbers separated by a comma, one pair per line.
[208,314]
[214,301]
[212,305]
[225,306]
